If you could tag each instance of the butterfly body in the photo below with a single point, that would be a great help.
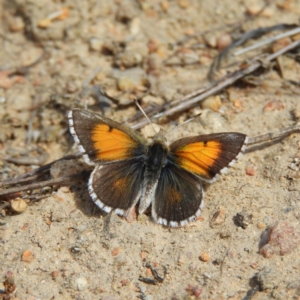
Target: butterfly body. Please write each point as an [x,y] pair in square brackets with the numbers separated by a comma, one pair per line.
[129,171]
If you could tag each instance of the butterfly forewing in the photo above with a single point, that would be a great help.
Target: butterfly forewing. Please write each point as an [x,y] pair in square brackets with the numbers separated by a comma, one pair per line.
[208,155]
[103,140]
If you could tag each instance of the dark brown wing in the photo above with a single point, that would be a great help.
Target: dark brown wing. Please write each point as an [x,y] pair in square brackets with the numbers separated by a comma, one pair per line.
[117,186]
[178,198]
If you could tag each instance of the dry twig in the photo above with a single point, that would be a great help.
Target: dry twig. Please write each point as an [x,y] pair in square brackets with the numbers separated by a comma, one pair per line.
[193,99]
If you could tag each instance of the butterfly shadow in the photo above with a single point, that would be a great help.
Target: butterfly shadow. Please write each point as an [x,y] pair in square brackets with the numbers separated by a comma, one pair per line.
[85,204]
[82,198]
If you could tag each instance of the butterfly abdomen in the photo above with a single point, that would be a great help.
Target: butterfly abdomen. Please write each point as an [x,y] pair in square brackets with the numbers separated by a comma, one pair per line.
[155,160]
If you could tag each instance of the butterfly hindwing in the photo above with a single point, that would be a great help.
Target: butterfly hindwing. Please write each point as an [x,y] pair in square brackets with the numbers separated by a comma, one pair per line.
[208,155]
[178,197]
[102,140]
[117,186]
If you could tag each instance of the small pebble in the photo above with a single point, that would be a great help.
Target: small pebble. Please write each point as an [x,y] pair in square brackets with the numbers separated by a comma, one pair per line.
[55,274]
[273,105]
[27,256]
[261,225]
[253,8]
[204,257]
[211,40]
[16,23]
[205,60]
[268,11]
[125,282]
[65,189]
[184,3]
[132,80]
[250,171]
[181,260]
[194,291]
[144,255]
[44,23]
[128,59]
[18,205]
[233,95]
[218,218]
[164,6]
[81,283]
[223,41]
[95,44]
[148,99]
[25,226]
[72,86]
[148,131]
[131,216]
[254,265]
[284,5]
[238,103]
[135,26]
[213,103]
[116,251]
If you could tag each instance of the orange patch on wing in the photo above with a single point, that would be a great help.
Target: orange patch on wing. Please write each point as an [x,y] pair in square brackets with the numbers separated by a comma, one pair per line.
[199,157]
[174,195]
[111,143]
[120,184]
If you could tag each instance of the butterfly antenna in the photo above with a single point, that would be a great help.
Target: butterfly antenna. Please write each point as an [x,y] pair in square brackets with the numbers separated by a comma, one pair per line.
[185,122]
[143,112]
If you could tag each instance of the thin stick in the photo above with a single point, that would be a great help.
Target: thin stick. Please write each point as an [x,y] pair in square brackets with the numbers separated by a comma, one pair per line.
[34,174]
[37,185]
[217,86]
[268,41]
[273,135]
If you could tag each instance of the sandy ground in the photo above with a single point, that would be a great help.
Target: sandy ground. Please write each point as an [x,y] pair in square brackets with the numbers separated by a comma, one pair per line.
[56,248]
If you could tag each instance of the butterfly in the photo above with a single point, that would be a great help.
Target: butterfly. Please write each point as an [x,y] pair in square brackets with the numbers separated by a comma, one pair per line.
[129,171]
